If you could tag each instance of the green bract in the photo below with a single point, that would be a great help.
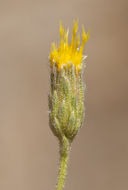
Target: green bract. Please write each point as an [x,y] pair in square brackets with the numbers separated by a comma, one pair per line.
[66,102]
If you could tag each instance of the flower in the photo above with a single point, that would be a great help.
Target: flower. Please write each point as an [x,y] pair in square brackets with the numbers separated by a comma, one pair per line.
[66,97]
[66,53]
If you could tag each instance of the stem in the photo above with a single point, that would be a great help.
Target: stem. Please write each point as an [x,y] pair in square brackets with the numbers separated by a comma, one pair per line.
[64,155]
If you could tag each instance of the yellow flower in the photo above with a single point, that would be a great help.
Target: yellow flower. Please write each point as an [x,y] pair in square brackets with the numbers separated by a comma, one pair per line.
[66,53]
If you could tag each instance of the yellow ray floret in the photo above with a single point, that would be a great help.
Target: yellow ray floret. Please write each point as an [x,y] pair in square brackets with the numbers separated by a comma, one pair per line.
[66,53]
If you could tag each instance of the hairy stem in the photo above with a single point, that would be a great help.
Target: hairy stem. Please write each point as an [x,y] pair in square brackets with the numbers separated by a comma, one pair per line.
[64,155]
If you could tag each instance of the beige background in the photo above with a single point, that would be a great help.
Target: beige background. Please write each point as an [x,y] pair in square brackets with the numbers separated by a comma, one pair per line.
[28,149]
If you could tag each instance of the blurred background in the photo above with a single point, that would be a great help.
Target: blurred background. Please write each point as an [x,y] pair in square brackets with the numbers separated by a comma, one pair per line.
[28,150]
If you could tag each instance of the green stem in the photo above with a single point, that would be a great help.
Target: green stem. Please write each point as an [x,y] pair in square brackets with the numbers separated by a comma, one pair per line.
[64,155]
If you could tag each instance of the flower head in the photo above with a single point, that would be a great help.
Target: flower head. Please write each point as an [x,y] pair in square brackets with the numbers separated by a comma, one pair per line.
[67,53]
[66,97]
